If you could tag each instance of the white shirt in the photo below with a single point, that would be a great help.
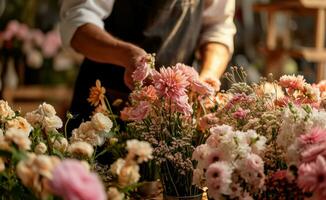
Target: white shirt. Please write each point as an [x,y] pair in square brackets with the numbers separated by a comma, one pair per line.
[218,25]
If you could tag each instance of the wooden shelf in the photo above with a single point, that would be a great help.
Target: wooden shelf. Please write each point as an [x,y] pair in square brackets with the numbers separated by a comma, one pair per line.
[307,53]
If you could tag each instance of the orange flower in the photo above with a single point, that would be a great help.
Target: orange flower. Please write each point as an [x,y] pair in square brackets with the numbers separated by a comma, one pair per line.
[96,94]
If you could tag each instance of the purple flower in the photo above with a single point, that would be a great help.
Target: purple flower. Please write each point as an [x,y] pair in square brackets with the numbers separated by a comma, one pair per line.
[72,181]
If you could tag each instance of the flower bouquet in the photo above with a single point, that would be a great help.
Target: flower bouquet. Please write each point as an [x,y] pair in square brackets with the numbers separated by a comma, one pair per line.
[163,111]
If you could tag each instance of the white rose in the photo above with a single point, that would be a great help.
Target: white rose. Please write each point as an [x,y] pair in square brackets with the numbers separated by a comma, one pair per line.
[117,166]
[41,148]
[47,110]
[5,110]
[34,59]
[101,122]
[143,150]
[81,149]
[53,122]
[114,194]
[60,144]
[19,125]
[21,140]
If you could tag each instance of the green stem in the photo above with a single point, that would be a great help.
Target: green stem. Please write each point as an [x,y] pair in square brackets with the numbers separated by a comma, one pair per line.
[66,125]
[171,179]
[111,112]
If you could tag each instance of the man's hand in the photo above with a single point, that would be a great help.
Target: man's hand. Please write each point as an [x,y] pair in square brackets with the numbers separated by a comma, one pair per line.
[215,57]
[100,46]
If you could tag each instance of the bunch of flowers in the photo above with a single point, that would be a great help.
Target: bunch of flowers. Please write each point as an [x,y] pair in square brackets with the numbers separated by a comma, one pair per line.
[229,163]
[286,114]
[37,161]
[163,110]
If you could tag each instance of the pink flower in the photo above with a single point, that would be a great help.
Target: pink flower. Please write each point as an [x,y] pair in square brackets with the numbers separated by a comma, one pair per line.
[143,69]
[218,176]
[146,93]
[312,177]
[202,88]
[279,175]
[315,135]
[238,98]
[240,113]
[200,152]
[213,140]
[11,29]
[312,152]
[292,82]
[213,155]
[38,37]
[71,180]
[137,113]
[182,106]
[208,121]
[51,44]
[23,32]
[170,83]
[254,163]
[187,71]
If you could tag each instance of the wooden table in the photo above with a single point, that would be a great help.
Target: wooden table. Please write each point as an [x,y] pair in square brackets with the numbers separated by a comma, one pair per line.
[317,53]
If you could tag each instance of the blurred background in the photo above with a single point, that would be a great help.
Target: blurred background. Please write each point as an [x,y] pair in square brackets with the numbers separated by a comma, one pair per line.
[273,36]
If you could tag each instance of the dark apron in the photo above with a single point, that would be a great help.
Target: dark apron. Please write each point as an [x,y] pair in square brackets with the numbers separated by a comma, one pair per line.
[168,28]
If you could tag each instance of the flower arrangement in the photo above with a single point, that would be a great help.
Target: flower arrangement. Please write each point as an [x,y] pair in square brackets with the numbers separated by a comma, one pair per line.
[38,161]
[163,110]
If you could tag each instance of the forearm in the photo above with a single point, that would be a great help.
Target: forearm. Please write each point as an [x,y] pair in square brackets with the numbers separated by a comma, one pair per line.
[215,57]
[100,46]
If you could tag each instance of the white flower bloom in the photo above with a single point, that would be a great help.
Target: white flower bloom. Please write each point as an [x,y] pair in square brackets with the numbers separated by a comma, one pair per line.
[141,149]
[40,148]
[18,125]
[5,111]
[101,122]
[117,166]
[114,194]
[61,144]
[81,149]
[21,140]
[129,175]
[198,178]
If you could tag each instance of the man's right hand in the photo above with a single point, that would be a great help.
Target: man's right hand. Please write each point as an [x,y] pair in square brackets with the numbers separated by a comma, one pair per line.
[132,57]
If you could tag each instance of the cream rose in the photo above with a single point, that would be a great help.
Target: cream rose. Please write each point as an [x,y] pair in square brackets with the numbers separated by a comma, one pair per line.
[81,149]
[101,122]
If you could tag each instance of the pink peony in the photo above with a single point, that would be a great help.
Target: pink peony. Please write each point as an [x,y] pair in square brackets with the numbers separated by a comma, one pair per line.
[315,135]
[218,176]
[240,113]
[312,152]
[71,180]
[143,69]
[170,83]
[292,82]
[136,113]
[312,177]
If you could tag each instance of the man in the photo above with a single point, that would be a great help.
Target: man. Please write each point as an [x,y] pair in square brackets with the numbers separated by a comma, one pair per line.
[113,34]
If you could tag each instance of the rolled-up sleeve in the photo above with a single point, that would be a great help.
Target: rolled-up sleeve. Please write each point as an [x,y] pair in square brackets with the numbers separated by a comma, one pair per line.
[218,25]
[75,13]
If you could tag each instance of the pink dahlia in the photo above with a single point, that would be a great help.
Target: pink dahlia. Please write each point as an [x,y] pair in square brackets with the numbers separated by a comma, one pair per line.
[312,177]
[71,180]
[315,135]
[170,83]
[182,105]
[187,71]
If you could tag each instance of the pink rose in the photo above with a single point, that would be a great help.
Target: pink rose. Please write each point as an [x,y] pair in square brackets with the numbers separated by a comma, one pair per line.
[136,113]
[72,181]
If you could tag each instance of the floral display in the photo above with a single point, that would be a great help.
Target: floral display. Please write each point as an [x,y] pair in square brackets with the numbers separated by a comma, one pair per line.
[176,137]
